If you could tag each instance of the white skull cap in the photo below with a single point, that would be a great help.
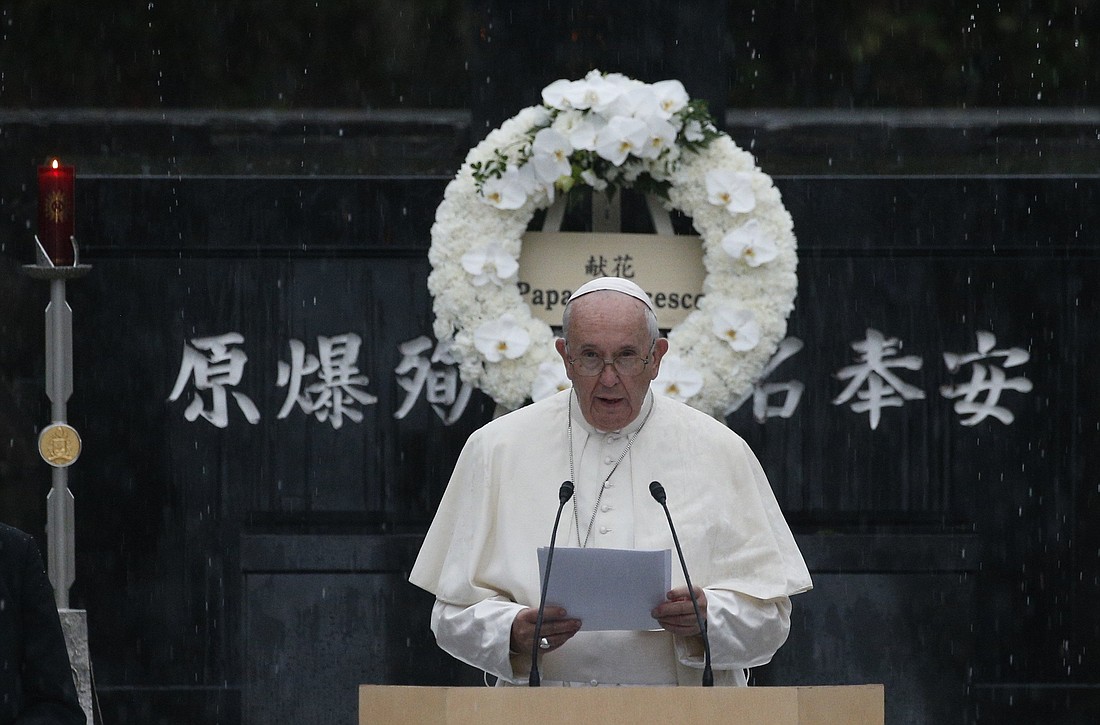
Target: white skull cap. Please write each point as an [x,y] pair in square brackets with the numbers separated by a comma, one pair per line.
[614,284]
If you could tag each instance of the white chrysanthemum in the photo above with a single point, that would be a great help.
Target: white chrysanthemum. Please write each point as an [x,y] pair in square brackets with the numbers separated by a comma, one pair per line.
[693,131]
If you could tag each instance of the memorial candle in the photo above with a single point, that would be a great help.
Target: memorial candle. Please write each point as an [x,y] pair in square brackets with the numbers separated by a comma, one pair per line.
[56,212]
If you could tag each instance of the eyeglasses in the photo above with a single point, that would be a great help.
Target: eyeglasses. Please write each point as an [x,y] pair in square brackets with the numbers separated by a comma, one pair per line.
[628,364]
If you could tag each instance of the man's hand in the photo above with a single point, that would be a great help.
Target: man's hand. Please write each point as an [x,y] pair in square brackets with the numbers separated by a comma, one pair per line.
[556,628]
[677,615]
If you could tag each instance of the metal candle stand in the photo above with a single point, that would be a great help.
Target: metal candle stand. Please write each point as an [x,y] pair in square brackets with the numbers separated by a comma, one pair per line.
[59,445]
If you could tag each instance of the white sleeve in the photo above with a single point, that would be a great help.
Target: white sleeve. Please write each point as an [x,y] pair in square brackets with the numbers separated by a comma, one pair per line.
[480,635]
[744,631]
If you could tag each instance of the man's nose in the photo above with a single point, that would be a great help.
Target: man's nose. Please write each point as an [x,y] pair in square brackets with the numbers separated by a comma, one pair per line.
[609,376]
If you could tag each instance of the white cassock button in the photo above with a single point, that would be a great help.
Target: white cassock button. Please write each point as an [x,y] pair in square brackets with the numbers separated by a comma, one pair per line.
[605,508]
[604,530]
[609,460]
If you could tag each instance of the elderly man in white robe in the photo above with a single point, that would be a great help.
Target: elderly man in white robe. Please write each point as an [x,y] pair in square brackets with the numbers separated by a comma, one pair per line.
[611,436]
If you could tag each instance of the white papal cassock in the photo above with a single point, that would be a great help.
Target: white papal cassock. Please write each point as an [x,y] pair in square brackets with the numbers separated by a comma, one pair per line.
[479,556]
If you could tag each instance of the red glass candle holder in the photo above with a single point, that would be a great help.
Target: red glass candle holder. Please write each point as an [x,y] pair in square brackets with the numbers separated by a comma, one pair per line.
[57,213]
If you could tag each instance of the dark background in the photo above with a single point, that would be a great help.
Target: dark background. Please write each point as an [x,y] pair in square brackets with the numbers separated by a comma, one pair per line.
[274,167]
[285,54]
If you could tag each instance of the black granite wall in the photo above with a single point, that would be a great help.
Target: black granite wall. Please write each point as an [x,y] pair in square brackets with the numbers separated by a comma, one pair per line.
[238,573]
[244,560]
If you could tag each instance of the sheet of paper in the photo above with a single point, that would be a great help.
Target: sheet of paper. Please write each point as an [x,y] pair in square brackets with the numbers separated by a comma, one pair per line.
[608,588]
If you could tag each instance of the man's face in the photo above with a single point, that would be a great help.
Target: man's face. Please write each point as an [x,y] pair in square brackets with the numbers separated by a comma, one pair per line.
[609,324]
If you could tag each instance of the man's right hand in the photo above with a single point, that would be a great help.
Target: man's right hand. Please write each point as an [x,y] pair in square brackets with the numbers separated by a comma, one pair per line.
[557,628]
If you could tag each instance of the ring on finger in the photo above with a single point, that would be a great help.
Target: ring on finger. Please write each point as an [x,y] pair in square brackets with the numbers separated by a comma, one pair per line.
[544,643]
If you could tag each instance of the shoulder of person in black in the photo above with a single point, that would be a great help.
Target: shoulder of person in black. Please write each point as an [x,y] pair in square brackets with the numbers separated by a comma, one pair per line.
[36,679]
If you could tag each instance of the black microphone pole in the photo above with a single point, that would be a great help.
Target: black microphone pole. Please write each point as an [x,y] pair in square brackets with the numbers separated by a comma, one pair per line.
[564,494]
[658,492]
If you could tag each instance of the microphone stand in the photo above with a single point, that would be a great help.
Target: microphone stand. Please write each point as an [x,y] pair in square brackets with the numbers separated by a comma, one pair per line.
[658,492]
[564,494]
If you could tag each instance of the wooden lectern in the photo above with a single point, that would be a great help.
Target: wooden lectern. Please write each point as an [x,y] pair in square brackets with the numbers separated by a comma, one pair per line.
[396,705]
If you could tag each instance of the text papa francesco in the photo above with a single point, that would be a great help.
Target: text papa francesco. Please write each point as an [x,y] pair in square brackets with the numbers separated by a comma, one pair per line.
[549,299]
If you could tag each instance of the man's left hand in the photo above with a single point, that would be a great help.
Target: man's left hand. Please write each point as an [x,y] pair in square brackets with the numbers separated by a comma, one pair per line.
[677,615]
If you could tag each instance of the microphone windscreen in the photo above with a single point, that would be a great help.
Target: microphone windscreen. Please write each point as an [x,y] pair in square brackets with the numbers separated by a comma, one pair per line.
[565,492]
[657,491]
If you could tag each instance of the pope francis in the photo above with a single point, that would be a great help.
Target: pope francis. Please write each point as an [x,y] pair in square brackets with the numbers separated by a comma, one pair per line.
[611,436]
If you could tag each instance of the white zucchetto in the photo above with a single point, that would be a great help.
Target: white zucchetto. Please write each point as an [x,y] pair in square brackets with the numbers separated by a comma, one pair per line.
[614,284]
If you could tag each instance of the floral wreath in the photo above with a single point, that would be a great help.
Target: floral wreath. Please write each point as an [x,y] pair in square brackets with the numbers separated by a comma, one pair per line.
[611,132]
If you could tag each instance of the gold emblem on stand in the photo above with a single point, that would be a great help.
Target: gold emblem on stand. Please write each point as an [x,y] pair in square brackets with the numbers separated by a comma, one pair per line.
[59,445]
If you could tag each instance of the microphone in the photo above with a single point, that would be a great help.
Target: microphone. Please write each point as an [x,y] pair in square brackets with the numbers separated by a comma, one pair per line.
[564,494]
[658,492]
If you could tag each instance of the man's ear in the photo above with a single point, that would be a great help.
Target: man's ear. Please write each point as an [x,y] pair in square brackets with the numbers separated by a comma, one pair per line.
[659,351]
[559,345]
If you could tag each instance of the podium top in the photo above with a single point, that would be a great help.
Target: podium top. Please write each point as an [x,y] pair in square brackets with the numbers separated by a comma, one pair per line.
[840,705]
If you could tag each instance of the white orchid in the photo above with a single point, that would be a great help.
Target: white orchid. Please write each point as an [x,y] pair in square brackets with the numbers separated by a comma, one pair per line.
[584,134]
[550,378]
[637,102]
[677,379]
[603,113]
[555,94]
[621,137]
[604,91]
[595,92]
[579,129]
[751,244]
[550,155]
[660,136]
[566,122]
[671,97]
[507,191]
[501,338]
[736,326]
[731,189]
[489,263]
[617,79]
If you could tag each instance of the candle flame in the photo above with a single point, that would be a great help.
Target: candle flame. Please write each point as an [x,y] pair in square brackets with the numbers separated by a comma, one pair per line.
[54,163]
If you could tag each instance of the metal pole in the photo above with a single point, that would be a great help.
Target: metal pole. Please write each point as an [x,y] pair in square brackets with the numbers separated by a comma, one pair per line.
[59,445]
[60,525]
